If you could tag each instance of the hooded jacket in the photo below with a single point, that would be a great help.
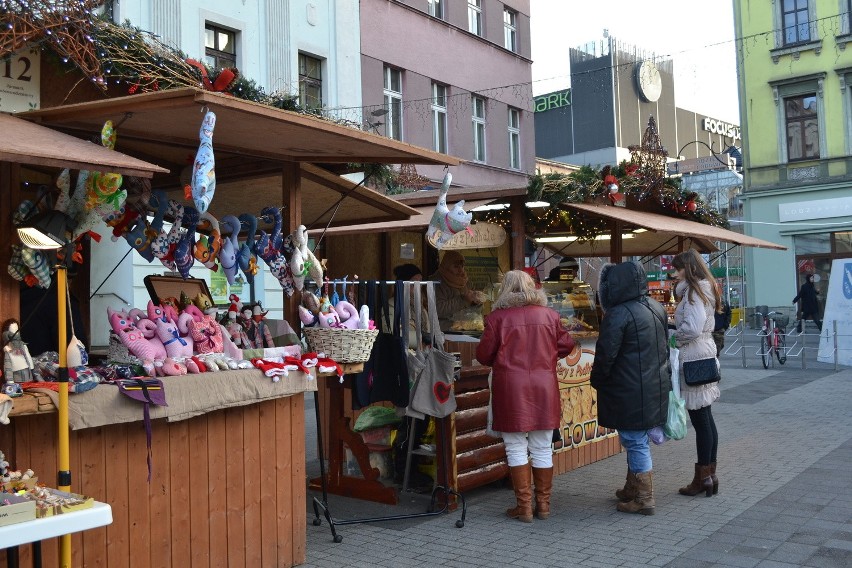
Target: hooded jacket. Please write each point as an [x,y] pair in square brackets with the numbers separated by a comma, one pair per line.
[521,343]
[631,370]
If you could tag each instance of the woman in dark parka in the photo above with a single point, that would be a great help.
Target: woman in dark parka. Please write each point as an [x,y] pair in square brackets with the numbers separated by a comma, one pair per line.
[631,375]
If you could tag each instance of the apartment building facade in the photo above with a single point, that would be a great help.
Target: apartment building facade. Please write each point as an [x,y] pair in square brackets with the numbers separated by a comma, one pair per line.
[794,70]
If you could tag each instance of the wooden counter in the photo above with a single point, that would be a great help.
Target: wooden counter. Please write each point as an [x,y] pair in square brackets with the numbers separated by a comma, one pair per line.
[227,487]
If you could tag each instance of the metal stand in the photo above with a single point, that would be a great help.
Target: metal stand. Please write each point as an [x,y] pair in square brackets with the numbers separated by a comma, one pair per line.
[333,523]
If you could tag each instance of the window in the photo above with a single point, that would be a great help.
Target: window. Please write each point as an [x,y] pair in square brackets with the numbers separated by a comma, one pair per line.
[220,47]
[436,8]
[474,17]
[439,118]
[393,103]
[310,81]
[510,29]
[478,104]
[794,14]
[802,121]
[514,138]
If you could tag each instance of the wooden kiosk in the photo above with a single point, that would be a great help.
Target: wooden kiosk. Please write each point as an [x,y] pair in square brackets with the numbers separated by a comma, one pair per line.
[229,485]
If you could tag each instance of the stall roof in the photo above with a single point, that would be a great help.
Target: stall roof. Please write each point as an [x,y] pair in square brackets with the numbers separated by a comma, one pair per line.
[26,143]
[252,143]
[661,234]
[469,194]
[418,221]
[166,124]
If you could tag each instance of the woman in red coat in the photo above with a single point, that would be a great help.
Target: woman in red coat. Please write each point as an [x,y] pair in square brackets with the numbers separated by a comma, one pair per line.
[521,343]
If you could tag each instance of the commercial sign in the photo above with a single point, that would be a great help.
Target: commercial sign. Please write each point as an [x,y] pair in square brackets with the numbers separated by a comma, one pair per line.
[20,83]
[724,128]
[579,424]
[838,312]
[702,164]
[818,209]
[552,100]
[482,235]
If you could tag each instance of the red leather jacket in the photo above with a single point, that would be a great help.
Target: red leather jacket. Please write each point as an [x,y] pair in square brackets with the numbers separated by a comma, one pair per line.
[522,344]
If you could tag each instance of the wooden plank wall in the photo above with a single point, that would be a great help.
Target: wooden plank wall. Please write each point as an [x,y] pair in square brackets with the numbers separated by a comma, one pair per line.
[227,489]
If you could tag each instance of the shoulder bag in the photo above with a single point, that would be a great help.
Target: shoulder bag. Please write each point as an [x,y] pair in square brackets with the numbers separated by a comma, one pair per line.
[701,372]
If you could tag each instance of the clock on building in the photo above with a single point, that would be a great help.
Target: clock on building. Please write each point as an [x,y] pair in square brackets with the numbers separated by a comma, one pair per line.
[648,81]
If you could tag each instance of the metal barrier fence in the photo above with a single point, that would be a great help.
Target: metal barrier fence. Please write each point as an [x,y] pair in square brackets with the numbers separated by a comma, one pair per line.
[798,341]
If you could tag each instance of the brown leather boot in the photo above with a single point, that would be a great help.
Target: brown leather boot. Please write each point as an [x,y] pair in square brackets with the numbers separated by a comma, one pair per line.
[643,503]
[522,484]
[702,481]
[628,492]
[543,479]
[714,478]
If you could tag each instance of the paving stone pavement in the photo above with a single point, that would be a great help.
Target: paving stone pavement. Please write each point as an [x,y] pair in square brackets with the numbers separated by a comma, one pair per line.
[785,496]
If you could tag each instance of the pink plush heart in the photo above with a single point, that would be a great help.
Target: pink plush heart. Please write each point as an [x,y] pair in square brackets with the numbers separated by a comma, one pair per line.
[442,391]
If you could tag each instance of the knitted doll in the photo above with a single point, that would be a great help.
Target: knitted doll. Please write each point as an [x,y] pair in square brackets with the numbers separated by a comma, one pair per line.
[259,333]
[17,363]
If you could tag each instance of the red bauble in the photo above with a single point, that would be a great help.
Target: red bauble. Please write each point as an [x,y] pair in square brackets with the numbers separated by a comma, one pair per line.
[691,206]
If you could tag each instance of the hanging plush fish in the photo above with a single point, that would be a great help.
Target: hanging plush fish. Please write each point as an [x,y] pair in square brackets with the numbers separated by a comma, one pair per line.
[63,184]
[230,246]
[39,269]
[184,259]
[208,246]
[163,246]
[204,169]
[142,235]
[312,263]
[103,194]
[245,257]
[267,249]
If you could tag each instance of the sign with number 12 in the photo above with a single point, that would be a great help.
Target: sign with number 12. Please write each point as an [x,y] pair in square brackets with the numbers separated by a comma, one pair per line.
[20,84]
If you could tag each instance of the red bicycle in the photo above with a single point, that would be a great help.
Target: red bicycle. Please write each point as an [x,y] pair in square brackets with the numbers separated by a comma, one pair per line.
[773,335]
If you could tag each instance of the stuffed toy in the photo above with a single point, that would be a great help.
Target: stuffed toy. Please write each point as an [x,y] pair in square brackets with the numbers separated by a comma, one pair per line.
[328,317]
[298,270]
[169,367]
[447,222]
[206,335]
[143,234]
[168,330]
[132,338]
[230,246]
[63,184]
[17,269]
[245,257]
[236,303]
[268,248]
[204,169]
[307,317]
[263,337]
[193,313]
[235,329]
[205,304]
[312,264]
[170,306]
[163,246]
[183,255]
[208,246]
[364,318]
[121,224]
[39,269]
[347,314]
[17,362]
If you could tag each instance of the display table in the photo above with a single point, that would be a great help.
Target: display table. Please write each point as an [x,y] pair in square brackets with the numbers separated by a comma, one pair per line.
[40,529]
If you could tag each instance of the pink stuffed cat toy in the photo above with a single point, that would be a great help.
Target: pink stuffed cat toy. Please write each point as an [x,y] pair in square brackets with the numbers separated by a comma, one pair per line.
[136,343]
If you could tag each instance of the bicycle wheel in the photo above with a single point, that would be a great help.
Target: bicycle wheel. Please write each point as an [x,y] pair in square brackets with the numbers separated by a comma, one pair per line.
[766,350]
[780,344]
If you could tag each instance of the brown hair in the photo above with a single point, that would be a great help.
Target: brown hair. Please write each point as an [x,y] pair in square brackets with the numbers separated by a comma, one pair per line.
[694,271]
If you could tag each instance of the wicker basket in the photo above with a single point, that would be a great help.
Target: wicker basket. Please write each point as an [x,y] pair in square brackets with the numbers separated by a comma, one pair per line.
[342,345]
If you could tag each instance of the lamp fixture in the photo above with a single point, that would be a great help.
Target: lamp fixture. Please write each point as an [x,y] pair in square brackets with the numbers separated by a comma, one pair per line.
[532,204]
[48,230]
[491,207]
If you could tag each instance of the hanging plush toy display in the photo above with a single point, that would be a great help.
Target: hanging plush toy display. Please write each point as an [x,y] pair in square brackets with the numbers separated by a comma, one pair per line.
[203,184]
[230,246]
[246,259]
[184,258]
[268,248]
[164,245]
[208,246]
[447,222]
[103,198]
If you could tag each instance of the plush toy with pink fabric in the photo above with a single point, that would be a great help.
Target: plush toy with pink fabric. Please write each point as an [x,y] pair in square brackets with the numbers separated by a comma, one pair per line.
[206,335]
[348,314]
[168,332]
[135,341]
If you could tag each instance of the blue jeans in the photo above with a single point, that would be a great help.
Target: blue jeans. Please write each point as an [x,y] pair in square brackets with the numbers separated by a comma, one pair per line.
[638,450]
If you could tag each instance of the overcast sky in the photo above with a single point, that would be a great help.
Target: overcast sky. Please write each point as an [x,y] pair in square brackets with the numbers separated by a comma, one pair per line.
[697,35]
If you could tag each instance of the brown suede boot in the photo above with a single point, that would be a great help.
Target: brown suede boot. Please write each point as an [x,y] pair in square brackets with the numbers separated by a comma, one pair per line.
[522,484]
[700,482]
[714,478]
[628,492]
[643,503]
[543,479]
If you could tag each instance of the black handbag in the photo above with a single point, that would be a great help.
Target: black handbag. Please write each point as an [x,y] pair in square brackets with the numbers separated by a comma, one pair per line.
[701,372]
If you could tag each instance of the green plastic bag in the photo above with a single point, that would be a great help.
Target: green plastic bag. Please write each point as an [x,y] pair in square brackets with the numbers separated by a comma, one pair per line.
[675,428]
[375,417]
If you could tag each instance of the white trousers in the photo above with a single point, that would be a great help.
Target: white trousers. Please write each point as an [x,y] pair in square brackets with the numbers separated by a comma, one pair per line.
[536,443]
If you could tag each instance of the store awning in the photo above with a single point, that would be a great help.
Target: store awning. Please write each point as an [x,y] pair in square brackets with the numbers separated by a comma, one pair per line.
[652,234]
[417,222]
[23,142]
[489,193]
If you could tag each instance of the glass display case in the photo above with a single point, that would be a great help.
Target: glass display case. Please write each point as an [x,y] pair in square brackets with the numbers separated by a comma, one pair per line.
[574,300]
[662,292]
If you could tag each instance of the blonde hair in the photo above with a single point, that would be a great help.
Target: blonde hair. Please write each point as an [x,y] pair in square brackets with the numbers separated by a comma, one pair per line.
[519,290]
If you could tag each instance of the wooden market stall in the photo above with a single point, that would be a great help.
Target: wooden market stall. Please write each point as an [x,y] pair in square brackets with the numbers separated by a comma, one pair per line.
[229,482]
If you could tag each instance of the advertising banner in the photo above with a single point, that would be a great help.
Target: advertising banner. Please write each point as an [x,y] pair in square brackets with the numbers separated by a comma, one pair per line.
[838,309]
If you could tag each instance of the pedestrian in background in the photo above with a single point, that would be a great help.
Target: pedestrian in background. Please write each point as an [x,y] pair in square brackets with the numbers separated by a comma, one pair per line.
[521,343]
[631,374]
[721,324]
[808,304]
[698,302]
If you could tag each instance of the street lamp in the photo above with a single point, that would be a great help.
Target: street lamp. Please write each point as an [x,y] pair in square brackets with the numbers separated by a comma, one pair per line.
[52,230]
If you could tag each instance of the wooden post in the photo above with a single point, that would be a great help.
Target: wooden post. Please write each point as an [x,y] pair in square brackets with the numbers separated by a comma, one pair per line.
[291,191]
[616,247]
[518,209]
[10,196]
